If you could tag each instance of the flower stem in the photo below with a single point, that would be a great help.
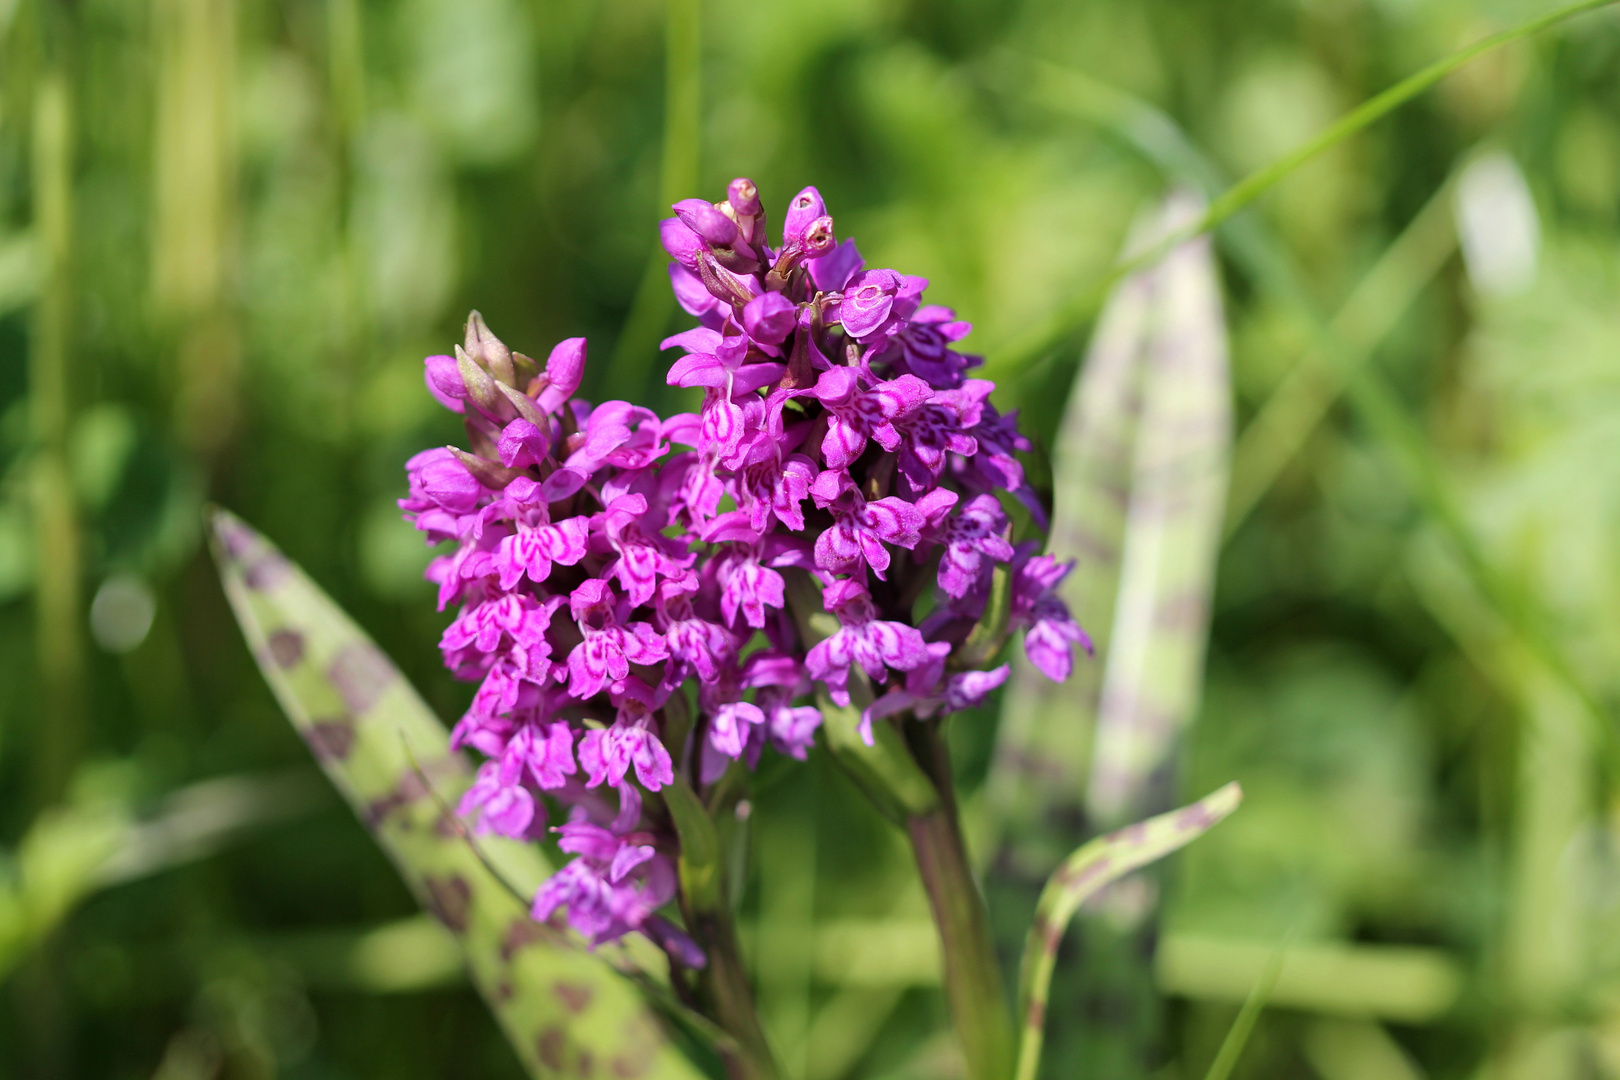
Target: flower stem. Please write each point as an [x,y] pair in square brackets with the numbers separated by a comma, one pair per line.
[723,984]
[728,997]
[973,987]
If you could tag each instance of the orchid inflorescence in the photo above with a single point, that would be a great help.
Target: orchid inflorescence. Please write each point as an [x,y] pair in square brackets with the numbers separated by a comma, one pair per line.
[605,558]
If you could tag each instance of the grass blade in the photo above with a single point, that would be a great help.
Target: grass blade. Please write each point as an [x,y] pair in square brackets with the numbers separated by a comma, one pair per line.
[1307,392]
[1263,257]
[1044,336]
[1103,860]
[1237,1037]
[559,1005]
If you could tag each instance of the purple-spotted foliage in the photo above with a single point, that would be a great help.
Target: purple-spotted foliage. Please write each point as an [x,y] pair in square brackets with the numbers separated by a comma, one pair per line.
[606,558]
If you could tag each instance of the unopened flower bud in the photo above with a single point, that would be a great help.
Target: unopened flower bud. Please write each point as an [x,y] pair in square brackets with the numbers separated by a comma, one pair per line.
[743,197]
[443,378]
[565,367]
[488,473]
[705,219]
[805,208]
[525,406]
[441,476]
[481,386]
[683,245]
[770,317]
[490,351]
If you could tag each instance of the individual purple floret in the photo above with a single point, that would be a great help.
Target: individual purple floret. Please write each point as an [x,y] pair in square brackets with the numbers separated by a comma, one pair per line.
[639,594]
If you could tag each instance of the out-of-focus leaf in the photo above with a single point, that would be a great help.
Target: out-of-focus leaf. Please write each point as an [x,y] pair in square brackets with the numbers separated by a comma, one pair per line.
[1404,983]
[19,272]
[387,753]
[56,867]
[1103,860]
[1139,476]
[1155,655]
[73,850]
[1140,472]
[1044,743]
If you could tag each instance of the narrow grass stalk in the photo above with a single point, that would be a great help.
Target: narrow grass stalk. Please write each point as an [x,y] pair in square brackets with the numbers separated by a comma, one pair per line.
[1261,256]
[56,527]
[1311,386]
[1237,1037]
[637,348]
[1067,320]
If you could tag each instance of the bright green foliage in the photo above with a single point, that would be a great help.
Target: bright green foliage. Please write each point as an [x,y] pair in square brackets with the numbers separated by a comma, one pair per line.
[54,868]
[279,208]
[562,1007]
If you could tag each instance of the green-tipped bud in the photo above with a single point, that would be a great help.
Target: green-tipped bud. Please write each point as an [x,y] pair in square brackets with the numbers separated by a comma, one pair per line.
[480,386]
[492,353]
[525,406]
[491,474]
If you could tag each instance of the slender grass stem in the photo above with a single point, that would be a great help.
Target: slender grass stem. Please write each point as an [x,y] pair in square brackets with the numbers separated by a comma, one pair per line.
[1369,394]
[57,585]
[1056,328]
[1303,398]
[1237,1037]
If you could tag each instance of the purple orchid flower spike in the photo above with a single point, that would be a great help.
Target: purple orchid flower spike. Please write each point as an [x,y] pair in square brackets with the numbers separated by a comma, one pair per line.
[613,567]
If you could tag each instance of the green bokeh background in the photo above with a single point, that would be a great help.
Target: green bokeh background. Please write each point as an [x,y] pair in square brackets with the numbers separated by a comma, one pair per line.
[276,209]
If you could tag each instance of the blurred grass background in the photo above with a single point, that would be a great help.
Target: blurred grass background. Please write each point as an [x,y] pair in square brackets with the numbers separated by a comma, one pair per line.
[230,231]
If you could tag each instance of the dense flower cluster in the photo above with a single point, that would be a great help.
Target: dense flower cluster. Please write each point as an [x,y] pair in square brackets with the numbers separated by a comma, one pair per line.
[604,557]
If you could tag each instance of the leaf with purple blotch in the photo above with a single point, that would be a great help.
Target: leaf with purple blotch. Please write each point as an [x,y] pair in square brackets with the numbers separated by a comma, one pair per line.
[1082,875]
[565,1010]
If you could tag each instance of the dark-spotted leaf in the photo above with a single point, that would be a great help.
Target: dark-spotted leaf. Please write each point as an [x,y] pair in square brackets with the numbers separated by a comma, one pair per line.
[1096,864]
[566,1010]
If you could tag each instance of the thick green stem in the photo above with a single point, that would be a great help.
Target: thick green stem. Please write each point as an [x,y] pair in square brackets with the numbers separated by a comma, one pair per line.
[728,997]
[723,984]
[973,987]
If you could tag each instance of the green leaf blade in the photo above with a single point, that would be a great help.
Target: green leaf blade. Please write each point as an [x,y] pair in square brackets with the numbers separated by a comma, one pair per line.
[561,1006]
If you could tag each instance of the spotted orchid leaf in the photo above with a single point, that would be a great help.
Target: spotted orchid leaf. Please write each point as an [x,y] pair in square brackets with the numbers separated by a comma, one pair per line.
[1096,864]
[565,1010]
[1140,471]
